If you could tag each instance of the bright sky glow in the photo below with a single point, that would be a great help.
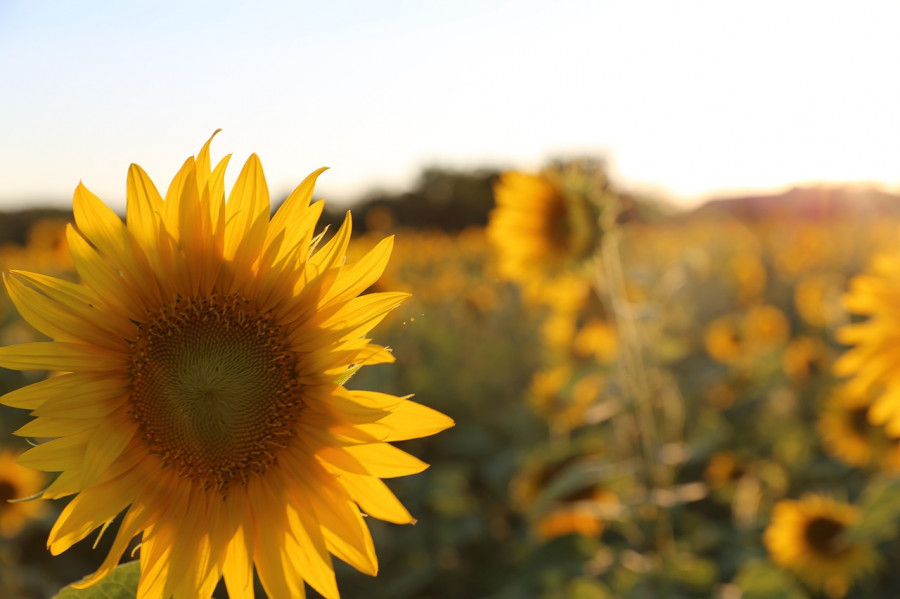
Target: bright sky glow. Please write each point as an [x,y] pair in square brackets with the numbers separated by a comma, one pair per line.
[687,98]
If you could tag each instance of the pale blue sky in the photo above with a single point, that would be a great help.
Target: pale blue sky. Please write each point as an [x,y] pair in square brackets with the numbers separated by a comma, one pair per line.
[689,98]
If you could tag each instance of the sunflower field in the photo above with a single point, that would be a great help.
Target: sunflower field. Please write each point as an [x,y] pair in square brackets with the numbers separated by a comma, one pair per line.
[645,404]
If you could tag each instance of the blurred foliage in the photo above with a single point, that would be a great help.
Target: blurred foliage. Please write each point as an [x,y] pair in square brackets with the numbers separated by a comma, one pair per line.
[550,485]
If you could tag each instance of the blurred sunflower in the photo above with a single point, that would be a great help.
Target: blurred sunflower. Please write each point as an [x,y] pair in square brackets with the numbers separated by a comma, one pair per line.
[873,363]
[583,513]
[815,297]
[554,489]
[203,353]
[765,327]
[845,429]
[848,433]
[547,386]
[806,536]
[545,223]
[596,338]
[751,276]
[17,482]
[723,340]
[724,468]
[804,357]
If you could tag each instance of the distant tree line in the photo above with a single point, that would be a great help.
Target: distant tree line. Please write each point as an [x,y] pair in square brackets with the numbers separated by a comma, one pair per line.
[441,199]
[14,226]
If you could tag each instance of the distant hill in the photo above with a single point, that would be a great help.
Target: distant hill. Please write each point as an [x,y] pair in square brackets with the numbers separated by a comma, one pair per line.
[817,203]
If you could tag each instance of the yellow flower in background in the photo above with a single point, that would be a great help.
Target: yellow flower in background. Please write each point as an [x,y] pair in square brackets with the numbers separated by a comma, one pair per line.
[848,433]
[731,337]
[805,357]
[765,327]
[723,340]
[203,354]
[816,299]
[806,536]
[554,505]
[873,363]
[541,225]
[547,386]
[596,337]
[751,277]
[845,429]
[583,513]
[17,482]
[724,468]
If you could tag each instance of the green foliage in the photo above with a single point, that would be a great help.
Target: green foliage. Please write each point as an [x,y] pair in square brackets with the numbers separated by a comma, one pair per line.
[880,503]
[760,580]
[122,583]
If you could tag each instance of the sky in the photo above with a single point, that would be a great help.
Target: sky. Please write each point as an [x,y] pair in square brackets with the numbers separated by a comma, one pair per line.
[685,100]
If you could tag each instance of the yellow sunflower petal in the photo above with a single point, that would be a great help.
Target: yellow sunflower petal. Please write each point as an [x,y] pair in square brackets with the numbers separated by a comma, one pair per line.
[293,223]
[145,205]
[386,461]
[306,547]
[156,551]
[343,528]
[56,320]
[55,427]
[78,300]
[238,564]
[103,279]
[32,396]
[270,554]
[106,231]
[375,499]
[57,455]
[135,519]
[408,419]
[81,395]
[70,357]
[246,216]
[106,445]
[85,512]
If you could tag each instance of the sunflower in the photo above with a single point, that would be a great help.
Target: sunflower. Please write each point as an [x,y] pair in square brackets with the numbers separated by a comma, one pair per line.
[845,428]
[583,513]
[203,354]
[17,482]
[873,363]
[804,357]
[806,536]
[751,276]
[765,327]
[546,223]
[848,433]
[723,341]
[724,468]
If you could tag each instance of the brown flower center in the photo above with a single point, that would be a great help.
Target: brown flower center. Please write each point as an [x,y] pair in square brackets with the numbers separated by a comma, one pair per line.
[215,390]
[824,536]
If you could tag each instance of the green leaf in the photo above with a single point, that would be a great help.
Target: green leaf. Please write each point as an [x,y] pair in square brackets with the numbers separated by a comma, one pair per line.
[880,512]
[121,583]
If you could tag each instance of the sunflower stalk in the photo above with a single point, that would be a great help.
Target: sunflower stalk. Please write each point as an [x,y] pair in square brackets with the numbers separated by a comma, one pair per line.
[637,382]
